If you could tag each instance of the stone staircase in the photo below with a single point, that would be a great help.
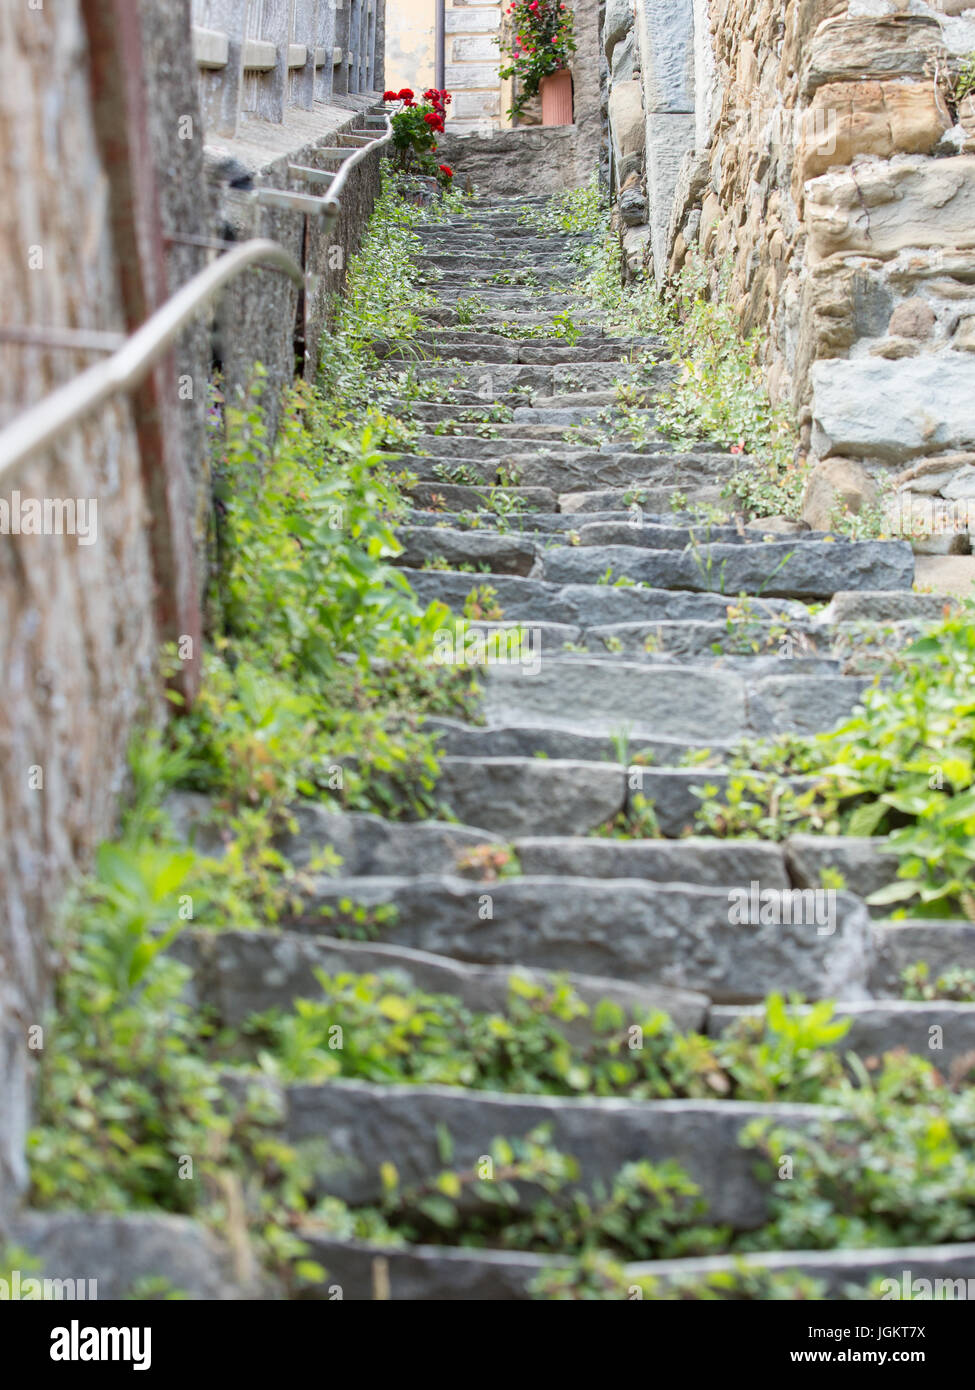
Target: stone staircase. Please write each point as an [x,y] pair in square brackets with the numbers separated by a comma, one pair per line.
[618,683]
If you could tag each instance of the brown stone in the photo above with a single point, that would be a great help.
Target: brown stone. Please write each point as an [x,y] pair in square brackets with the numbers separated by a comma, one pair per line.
[835,485]
[912,319]
[964,336]
[846,49]
[895,348]
[849,119]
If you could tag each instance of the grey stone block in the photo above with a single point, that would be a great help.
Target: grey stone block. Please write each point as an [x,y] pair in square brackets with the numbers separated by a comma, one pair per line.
[118,1250]
[361,1126]
[518,796]
[612,696]
[704,862]
[239,973]
[789,569]
[670,934]
[939,1032]
[865,868]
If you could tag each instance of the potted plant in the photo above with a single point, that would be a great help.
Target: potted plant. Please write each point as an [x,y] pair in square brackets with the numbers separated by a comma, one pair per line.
[416,126]
[539,39]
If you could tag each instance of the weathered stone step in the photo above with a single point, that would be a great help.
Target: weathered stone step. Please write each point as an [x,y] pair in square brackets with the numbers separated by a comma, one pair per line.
[653,498]
[484,261]
[449,468]
[940,1032]
[672,934]
[488,551]
[441,1273]
[577,742]
[460,317]
[484,347]
[496,379]
[864,866]
[636,527]
[656,466]
[464,497]
[680,702]
[942,945]
[240,973]
[784,639]
[510,439]
[577,400]
[702,862]
[590,605]
[528,523]
[543,796]
[119,1251]
[367,1125]
[789,569]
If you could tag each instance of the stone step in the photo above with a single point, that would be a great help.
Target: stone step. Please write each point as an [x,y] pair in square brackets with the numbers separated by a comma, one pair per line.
[571,741]
[940,1032]
[116,1252]
[464,497]
[354,1127]
[469,472]
[510,439]
[942,945]
[654,499]
[862,862]
[680,702]
[785,639]
[542,796]
[591,605]
[497,379]
[671,934]
[487,551]
[702,862]
[422,1273]
[806,569]
[539,524]
[656,466]
[240,973]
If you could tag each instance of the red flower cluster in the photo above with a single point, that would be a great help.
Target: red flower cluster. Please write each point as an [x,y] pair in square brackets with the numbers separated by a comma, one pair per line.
[406,96]
[446,170]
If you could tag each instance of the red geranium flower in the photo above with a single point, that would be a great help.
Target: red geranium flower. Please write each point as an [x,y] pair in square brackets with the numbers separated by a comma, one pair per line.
[446,170]
[390,96]
[406,94]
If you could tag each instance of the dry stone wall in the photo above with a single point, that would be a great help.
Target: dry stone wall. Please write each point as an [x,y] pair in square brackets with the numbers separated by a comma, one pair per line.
[79,636]
[818,150]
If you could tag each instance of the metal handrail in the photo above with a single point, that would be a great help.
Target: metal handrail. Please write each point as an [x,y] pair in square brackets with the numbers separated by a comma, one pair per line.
[41,425]
[328,206]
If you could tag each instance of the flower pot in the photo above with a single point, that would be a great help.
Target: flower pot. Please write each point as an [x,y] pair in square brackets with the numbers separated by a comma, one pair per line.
[556,93]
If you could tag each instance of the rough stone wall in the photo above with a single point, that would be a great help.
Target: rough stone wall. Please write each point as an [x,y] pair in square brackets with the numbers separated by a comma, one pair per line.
[816,148]
[78,640]
[77,644]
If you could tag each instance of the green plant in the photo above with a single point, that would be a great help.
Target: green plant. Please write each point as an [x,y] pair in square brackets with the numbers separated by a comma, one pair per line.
[957,984]
[538,38]
[964,84]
